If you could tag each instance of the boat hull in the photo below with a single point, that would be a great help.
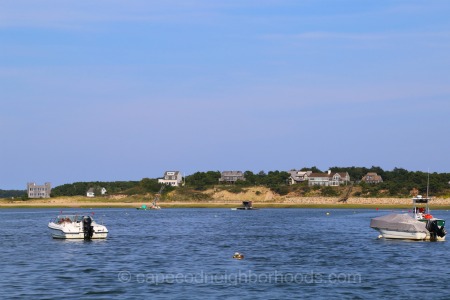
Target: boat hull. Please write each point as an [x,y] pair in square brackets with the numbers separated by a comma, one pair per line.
[73,232]
[59,234]
[403,235]
[156,208]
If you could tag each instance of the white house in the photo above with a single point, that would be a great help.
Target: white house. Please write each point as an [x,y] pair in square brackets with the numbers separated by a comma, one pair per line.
[173,178]
[91,193]
[328,179]
[322,179]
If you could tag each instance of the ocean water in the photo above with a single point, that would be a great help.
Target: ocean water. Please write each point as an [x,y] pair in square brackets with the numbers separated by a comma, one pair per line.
[187,254]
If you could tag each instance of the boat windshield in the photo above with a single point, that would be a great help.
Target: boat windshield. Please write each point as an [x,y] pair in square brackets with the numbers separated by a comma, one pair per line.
[69,218]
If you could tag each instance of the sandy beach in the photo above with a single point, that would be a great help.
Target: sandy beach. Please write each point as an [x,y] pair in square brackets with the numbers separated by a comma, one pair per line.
[280,202]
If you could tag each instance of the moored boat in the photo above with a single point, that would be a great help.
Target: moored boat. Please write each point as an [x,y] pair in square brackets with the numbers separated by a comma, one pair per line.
[154,204]
[145,207]
[246,205]
[77,227]
[421,225]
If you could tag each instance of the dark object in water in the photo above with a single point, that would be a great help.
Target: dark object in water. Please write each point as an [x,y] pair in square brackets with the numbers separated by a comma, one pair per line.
[246,205]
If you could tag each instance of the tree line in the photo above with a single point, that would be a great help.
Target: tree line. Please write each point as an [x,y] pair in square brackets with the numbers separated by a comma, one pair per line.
[12,193]
[397,182]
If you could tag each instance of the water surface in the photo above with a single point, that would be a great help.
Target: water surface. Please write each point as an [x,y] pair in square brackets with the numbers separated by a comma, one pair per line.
[187,253]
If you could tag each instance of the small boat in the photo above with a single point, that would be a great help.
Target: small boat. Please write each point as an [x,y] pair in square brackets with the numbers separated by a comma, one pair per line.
[421,225]
[145,207]
[154,203]
[246,205]
[76,227]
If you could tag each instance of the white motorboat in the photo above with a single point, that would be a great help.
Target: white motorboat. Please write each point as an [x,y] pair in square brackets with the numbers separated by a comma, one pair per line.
[421,225]
[77,227]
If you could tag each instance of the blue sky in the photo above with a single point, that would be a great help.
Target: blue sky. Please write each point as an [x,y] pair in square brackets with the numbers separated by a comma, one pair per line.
[122,90]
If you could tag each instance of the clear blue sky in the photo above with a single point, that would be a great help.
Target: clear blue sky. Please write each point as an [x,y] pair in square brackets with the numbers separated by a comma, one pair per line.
[122,90]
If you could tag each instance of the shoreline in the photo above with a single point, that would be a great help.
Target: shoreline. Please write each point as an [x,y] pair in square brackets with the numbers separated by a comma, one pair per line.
[286,202]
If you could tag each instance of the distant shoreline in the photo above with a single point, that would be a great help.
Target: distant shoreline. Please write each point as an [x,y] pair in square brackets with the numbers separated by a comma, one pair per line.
[283,202]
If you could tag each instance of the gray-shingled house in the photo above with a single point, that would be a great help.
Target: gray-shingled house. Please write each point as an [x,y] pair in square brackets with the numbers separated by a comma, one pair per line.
[231,176]
[372,177]
[298,176]
[39,191]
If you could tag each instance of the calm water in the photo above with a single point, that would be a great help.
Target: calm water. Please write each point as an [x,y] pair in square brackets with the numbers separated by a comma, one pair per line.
[186,253]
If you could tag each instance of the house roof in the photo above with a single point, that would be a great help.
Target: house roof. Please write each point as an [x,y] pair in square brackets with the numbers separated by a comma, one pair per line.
[342,174]
[373,177]
[324,175]
[232,173]
[319,175]
[91,190]
[174,172]
[299,173]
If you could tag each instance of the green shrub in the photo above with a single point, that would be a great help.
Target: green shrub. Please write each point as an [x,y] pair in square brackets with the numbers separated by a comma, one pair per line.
[329,191]
[236,190]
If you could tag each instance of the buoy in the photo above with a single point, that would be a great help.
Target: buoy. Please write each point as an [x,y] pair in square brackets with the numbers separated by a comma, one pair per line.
[238,255]
[377,208]
[328,213]
[380,236]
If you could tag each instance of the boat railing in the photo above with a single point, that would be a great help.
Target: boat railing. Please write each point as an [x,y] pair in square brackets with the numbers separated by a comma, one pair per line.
[72,217]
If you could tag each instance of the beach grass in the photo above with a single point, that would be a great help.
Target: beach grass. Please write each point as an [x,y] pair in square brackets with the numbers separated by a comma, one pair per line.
[137,201]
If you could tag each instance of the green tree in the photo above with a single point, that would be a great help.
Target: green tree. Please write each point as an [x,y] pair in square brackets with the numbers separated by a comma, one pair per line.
[313,169]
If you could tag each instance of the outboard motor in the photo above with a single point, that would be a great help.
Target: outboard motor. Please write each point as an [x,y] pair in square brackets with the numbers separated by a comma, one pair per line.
[442,232]
[88,229]
[435,231]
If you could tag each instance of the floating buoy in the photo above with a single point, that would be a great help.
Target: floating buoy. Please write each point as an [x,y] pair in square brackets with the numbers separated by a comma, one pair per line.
[238,255]
[380,236]
[377,208]
[328,213]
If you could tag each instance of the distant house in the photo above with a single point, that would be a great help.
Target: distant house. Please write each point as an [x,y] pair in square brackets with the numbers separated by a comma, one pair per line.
[328,179]
[39,191]
[173,178]
[91,192]
[298,176]
[321,179]
[372,178]
[231,176]
[339,178]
